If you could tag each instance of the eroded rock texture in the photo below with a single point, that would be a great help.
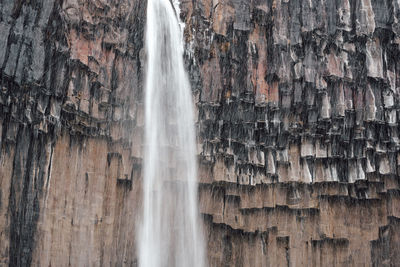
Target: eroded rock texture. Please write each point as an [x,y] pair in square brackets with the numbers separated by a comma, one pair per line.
[71,123]
[297,105]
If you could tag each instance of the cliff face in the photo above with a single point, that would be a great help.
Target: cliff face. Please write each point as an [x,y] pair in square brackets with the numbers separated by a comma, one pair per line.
[298,130]
[71,123]
[296,103]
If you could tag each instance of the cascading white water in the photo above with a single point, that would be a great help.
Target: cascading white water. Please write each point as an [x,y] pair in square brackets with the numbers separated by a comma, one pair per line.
[170,233]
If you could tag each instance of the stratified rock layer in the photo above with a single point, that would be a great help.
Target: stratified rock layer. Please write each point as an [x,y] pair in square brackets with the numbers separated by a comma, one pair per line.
[296,103]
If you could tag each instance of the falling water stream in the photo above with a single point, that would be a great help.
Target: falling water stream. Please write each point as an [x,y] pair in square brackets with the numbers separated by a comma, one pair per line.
[170,233]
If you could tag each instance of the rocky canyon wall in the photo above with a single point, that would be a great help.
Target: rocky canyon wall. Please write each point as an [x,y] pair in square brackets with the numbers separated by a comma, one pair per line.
[296,107]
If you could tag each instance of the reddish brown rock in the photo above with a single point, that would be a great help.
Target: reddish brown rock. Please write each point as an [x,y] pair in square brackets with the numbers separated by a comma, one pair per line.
[297,108]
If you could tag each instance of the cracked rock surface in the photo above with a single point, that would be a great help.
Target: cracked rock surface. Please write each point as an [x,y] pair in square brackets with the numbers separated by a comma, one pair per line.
[297,106]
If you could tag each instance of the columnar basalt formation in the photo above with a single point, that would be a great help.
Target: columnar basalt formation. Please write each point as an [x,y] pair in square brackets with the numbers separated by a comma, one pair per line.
[71,126]
[298,132]
[297,105]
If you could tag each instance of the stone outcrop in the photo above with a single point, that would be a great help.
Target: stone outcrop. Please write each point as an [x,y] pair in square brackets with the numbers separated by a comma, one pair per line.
[296,103]
[298,130]
[70,127]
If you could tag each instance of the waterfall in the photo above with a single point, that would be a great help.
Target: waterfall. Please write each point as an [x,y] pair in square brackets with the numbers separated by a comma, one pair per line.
[170,233]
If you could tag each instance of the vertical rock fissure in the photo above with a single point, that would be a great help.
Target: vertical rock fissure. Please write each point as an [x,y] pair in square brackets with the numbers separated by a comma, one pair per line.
[24,196]
[48,179]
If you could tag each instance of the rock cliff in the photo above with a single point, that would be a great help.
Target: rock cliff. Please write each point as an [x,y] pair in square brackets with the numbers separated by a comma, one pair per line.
[298,143]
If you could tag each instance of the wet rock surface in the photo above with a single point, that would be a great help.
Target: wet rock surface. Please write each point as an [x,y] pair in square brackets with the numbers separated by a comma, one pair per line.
[71,127]
[298,135]
[296,103]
